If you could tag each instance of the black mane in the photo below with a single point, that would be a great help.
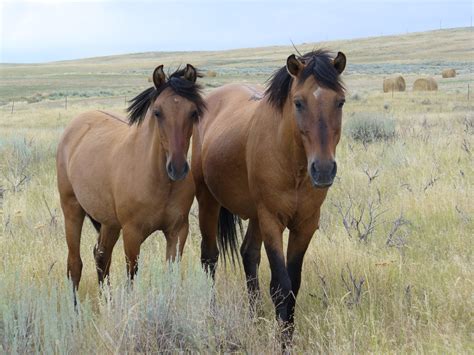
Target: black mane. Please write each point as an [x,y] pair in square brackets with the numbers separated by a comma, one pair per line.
[189,90]
[318,63]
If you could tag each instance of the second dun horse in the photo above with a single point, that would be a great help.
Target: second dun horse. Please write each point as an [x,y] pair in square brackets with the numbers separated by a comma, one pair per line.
[270,159]
[130,175]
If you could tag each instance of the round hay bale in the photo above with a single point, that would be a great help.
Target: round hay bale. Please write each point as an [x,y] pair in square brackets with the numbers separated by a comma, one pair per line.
[425,84]
[150,79]
[448,73]
[394,84]
[211,74]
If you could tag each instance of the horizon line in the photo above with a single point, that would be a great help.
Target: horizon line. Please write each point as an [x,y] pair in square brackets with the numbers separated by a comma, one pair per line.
[232,49]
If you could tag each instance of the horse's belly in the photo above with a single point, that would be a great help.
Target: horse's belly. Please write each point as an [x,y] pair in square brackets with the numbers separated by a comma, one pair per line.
[92,189]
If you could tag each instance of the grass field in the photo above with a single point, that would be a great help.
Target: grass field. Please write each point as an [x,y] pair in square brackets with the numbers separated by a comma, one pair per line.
[397,277]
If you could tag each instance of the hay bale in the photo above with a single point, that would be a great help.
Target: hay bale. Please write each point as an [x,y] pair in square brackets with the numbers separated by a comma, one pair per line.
[425,84]
[448,73]
[211,74]
[150,79]
[394,84]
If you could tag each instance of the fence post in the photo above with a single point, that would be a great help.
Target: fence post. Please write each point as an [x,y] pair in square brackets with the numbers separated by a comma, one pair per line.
[13,104]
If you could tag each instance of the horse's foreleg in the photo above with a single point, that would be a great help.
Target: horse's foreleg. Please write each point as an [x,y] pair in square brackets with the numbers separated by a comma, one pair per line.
[280,285]
[175,240]
[108,236]
[251,253]
[208,219]
[132,240]
[297,246]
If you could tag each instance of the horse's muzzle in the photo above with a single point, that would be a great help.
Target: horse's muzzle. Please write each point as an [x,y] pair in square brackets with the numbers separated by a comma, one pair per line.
[323,173]
[175,173]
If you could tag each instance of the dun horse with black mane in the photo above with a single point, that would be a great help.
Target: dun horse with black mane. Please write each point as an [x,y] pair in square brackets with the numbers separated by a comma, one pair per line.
[270,159]
[131,176]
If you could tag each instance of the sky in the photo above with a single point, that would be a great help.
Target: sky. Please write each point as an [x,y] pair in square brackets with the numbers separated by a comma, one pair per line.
[42,31]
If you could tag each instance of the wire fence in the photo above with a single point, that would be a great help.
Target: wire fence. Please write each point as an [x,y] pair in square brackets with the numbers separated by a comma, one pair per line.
[121,101]
[66,103]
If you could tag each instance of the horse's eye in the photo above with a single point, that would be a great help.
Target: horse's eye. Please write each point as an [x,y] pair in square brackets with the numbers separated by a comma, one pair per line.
[158,114]
[195,115]
[341,103]
[298,104]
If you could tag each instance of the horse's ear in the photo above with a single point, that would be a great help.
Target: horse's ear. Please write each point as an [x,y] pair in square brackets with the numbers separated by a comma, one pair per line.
[294,65]
[190,73]
[159,76]
[339,62]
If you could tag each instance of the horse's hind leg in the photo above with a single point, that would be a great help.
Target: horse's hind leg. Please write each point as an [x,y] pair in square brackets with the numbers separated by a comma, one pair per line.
[108,236]
[208,220]
[73,219]
[251,253]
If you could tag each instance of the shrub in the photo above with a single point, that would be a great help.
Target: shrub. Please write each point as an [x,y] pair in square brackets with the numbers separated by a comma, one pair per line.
[368,128]
[355,97]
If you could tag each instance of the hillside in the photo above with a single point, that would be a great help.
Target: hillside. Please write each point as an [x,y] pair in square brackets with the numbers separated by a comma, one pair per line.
[415,53]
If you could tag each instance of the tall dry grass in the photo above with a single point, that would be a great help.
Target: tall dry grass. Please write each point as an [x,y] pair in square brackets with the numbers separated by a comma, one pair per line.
[390,269]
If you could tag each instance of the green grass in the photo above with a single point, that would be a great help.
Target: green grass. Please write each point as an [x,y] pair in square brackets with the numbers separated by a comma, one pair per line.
[406,286]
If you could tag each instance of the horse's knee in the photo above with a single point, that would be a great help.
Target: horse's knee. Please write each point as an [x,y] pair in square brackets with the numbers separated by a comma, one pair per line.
[250,256]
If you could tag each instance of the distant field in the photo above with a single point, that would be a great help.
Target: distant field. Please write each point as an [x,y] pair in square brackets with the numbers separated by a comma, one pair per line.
[368,59]
[416,264]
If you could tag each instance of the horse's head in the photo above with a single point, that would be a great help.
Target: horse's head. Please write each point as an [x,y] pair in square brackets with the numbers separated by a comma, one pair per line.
[316,97]
[175,103]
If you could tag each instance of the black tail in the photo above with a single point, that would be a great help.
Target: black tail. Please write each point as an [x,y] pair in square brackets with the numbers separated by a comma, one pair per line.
[96,224]
[227,234]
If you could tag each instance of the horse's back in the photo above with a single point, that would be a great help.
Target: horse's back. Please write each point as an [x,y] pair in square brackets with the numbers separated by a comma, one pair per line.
[90,136]
[96,126]
[229,99]
[222,139]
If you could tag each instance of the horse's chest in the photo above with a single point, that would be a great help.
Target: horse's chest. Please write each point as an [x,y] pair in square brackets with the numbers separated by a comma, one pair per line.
[156,207]
[167,208]
[307,202]
[310,199]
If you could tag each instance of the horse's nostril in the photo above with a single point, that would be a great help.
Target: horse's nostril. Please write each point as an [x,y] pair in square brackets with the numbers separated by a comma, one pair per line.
[334,170]
[169,169]
[323,173]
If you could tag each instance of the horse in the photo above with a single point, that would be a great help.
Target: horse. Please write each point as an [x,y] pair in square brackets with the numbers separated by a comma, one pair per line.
[130,176]
[269,158]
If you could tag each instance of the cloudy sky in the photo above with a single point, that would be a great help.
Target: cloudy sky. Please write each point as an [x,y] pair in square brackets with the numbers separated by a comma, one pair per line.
[39,31]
